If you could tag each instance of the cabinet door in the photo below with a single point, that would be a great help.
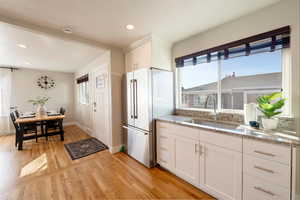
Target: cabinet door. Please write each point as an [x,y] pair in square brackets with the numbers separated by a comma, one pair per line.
[186,159]
[129,62]
[144,59]
[221,172]
[141,56]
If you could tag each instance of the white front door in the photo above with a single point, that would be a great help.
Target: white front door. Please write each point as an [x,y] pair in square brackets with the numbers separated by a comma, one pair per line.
[100,105]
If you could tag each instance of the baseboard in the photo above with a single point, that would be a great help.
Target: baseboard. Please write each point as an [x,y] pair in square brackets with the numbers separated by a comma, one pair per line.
[115,149]
[84,128]
[69,123]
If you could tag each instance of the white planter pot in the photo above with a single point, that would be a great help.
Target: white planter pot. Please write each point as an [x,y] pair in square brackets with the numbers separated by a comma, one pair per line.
[269,124]
[41,110]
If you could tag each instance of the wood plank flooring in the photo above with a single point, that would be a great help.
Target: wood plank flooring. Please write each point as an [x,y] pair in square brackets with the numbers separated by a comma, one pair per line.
[44,171]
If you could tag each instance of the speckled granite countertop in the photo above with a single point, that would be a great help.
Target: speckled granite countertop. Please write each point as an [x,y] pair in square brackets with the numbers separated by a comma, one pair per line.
[277,136]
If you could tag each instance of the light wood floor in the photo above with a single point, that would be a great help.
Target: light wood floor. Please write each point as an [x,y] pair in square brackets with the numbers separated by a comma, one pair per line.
[44,171]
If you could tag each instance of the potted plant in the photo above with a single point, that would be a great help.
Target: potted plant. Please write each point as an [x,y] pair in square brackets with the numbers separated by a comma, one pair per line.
[270,106]
[40,102]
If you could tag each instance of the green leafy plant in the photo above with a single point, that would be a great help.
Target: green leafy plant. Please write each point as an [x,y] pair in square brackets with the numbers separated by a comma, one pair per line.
[39,101]
[270,105]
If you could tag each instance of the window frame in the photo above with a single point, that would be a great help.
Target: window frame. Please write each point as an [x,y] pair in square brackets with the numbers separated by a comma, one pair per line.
[286,86]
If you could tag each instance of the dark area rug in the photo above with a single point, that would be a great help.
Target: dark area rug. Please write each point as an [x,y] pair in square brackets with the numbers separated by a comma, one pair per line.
[84,148]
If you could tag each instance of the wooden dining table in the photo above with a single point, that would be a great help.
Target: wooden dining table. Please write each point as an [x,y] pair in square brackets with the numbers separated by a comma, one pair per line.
[42,119]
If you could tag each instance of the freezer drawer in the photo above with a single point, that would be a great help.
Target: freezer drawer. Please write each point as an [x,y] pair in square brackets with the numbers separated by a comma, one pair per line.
[138,145]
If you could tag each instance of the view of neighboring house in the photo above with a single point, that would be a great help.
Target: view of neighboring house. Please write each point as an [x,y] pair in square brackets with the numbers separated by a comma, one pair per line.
[236,91]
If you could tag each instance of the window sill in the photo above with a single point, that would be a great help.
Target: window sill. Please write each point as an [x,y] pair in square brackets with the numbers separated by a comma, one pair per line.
[240,112]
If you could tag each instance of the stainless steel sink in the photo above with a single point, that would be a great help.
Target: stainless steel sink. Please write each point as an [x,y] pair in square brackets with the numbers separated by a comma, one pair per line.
[213,124]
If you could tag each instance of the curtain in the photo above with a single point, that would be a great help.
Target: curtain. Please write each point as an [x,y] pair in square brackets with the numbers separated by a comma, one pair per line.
[5,98]
[264,42]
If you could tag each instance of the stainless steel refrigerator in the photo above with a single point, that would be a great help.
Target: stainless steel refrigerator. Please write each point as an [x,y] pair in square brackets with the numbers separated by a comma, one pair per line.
[150,94]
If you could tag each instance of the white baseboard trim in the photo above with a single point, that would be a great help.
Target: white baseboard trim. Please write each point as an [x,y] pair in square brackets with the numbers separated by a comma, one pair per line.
[84,128]
[69,123]
[115,149]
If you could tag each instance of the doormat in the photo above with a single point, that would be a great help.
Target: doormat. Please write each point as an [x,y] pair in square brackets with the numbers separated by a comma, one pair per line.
[84,148]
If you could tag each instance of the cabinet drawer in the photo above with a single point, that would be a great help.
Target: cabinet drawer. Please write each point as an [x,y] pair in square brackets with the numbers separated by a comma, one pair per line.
[163,140]
[222,139]
[165,127]
[269,151]
[270,171]
[259,189]
[164,157]
[178,130]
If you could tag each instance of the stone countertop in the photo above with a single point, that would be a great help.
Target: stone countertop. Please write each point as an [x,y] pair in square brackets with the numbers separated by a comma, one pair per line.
[275,136]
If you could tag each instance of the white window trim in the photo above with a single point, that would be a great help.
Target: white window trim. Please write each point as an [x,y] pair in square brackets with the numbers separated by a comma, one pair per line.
[287,82]
[286,86]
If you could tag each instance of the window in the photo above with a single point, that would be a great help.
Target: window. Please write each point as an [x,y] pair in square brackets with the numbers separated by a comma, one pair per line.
[83,89]
[83,93]
[245,78]
[198,83]
[234,82]
[230,75]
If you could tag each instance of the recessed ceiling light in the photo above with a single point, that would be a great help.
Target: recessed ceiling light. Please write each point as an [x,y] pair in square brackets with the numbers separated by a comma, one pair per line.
[129,27]
[67,30]
[27,63]
[22,46]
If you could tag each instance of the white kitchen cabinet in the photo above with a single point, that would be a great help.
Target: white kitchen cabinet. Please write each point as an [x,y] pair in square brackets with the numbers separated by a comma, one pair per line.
[148,52]
[213,168]
[266,171]
[225,166]
[163,148]
[186,158]
[129,61]
[221,171]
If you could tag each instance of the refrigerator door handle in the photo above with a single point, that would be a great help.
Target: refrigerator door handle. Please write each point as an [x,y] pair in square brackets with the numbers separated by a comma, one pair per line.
[135,129]
[136,99]
[132,99]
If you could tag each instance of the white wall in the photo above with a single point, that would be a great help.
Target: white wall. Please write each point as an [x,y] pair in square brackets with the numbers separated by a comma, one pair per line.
[117,71]
[113,61]
[286,12]
[83,113]
[278,15]
[24,88]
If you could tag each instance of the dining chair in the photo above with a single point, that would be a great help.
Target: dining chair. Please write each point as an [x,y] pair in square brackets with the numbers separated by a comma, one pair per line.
[54,124]
[13,119]
[17,113]
[28,128]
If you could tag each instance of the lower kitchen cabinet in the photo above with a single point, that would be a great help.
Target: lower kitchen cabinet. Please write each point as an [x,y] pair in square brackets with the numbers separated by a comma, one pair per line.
[221,172]
[212,168]
[186,158]
[224,166]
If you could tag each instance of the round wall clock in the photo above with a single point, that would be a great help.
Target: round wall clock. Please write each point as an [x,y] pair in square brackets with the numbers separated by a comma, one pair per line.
[45,82]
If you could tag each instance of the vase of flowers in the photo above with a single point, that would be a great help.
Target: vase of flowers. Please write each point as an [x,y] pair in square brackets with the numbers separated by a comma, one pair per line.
[270,106]
[40,102]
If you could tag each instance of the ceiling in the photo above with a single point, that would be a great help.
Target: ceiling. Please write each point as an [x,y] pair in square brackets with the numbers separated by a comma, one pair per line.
[42,51]
[105,20]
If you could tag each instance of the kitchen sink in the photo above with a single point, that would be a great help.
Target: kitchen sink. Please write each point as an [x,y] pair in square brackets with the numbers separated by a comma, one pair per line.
[213,124]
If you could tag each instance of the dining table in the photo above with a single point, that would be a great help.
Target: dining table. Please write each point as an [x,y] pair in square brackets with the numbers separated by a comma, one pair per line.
[22,121]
